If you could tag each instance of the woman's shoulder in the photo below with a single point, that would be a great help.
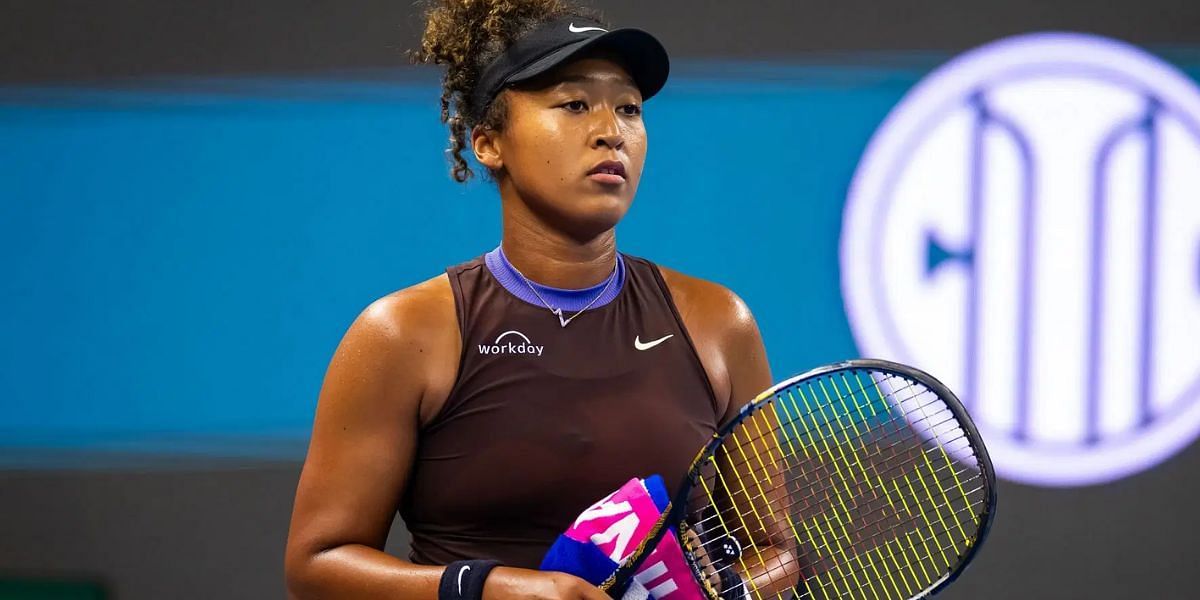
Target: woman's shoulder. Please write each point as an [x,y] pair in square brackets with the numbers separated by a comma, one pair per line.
[414,303]
[707,301]
[424,310]
[414,331]
[408,318]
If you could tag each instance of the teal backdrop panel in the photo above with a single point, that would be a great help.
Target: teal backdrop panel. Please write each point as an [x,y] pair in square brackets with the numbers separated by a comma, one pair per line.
[181,257]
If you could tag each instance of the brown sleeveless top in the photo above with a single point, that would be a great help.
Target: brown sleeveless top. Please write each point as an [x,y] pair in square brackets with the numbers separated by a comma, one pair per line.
[529,438]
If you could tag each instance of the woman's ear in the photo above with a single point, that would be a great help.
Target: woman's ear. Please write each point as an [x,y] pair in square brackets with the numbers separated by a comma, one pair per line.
[485,143]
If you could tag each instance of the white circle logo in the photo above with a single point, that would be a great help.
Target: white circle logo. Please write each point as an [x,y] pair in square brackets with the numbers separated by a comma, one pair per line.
[1025,225]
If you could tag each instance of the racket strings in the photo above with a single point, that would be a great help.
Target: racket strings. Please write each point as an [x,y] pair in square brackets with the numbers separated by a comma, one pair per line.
[710,521]
[870,565]
[897,442]
[738,466]
[816,491]
[899,507]
[966,511]
[882,516]
[853,506]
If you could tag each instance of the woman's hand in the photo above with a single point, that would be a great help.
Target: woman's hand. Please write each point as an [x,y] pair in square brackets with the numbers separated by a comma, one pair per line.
[505,583]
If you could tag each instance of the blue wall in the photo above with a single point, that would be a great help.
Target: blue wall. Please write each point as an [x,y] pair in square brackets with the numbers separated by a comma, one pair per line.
[181,257]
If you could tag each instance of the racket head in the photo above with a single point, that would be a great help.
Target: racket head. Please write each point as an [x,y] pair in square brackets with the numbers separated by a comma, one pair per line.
[869,474]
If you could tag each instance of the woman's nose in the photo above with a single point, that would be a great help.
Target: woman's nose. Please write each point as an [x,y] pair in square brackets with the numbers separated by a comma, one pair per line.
[608,132]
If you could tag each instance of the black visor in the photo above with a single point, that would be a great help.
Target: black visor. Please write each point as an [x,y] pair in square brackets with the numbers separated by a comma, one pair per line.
[556,42]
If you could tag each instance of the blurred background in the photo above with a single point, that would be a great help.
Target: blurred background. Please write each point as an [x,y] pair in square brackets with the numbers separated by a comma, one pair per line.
[197,198]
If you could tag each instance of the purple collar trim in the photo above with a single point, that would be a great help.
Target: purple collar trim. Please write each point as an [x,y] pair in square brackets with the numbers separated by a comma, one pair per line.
[568,300]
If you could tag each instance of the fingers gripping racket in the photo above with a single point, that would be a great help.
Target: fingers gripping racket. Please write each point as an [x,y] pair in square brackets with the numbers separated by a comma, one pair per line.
[864,480]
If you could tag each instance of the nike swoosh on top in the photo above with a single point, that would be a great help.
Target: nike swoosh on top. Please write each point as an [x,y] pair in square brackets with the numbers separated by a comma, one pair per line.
[573,29]
[637,342]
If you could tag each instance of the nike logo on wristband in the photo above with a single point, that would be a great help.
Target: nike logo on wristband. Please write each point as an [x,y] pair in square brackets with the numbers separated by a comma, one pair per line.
[460,574]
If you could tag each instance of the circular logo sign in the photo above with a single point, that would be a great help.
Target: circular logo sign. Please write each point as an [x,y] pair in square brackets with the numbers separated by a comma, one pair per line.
[1025,225]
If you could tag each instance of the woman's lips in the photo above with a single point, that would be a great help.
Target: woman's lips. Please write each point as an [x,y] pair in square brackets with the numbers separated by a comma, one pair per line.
[607,178]
[609,172]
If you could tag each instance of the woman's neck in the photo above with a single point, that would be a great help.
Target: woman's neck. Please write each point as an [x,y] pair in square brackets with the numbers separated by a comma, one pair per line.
[552,258]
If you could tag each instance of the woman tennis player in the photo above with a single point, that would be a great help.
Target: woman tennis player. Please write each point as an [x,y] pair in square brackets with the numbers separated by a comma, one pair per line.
[493,403]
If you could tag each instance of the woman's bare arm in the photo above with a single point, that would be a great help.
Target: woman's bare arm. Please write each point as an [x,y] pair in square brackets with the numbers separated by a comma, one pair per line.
[393,356]
[391,373]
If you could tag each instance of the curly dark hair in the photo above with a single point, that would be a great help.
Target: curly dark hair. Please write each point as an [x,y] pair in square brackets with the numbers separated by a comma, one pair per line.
[466,36]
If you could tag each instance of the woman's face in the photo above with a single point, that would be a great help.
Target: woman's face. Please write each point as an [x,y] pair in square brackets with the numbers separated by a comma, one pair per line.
[573,147]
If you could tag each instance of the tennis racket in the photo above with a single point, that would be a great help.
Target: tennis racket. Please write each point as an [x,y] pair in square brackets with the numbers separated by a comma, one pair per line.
[863,479]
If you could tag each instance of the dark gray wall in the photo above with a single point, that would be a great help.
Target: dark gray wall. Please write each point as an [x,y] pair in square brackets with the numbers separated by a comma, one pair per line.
[197,532]
[72,39]
[180,531]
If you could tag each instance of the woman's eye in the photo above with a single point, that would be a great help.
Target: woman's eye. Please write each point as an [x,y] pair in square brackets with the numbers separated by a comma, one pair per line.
[576,106]
[630,110]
